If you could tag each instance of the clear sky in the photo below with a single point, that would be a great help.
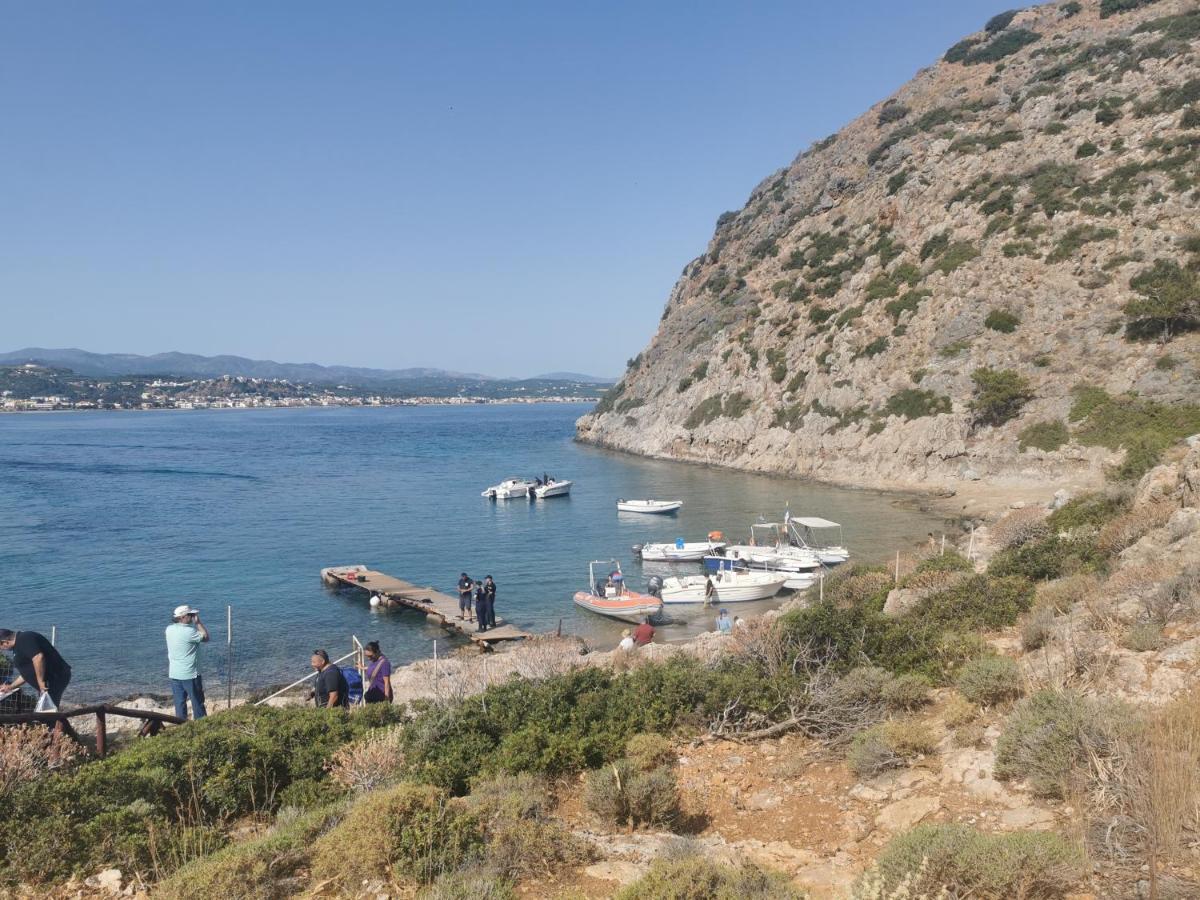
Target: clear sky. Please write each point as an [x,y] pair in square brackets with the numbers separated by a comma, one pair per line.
[509,188]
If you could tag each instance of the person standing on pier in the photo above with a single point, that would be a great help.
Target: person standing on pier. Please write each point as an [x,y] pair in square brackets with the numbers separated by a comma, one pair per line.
[184,637]
[37,663]
[464,597]
[489,593]
[379,675]
[481,607]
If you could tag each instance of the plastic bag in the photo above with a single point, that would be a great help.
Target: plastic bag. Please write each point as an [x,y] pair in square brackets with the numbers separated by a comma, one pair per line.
[45,704]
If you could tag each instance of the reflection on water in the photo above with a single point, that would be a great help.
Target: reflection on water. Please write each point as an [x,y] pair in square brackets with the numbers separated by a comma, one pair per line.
[108,520]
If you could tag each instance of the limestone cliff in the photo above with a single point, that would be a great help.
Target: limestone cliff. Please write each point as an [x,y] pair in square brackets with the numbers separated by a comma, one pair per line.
[945,287]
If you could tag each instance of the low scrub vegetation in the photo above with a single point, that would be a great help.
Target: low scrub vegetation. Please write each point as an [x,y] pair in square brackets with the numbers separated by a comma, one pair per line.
[696,877]
[1142,428]
[914,403]
[1002,320]
[999,395]
[1045,436]
[990,680]
[958,861]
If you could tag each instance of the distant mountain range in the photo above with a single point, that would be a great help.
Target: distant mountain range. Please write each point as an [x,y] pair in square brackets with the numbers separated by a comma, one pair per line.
[192,365]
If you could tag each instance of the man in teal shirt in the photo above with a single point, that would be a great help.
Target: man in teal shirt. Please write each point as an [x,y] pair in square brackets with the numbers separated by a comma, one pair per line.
[184,637]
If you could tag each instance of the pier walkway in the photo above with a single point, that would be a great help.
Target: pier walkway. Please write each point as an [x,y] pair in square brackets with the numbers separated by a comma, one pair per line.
[441,607]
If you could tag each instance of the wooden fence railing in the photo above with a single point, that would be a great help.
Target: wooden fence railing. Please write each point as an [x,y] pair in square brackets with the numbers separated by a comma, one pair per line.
[61,720]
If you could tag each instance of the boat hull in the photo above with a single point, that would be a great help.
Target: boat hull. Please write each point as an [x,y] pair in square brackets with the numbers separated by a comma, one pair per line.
[734,587]
[557,489]
[628,607]
[675,553]
[797,579]
[649,507]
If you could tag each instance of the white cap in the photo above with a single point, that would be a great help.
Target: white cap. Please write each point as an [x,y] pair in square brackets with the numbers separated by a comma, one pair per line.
[185,610]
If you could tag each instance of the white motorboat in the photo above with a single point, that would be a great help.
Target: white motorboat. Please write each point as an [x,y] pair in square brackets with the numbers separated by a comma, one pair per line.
[796,579]
[552,488]
[509,488]
[681,550]
[653,507]
[729,586]
[608,596]
[767,548]
[820,536]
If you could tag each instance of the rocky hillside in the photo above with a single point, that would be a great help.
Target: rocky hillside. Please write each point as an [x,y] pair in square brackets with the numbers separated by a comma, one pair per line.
[993,273]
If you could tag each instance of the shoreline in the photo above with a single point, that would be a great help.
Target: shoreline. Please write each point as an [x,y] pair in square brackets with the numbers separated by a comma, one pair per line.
[405,402]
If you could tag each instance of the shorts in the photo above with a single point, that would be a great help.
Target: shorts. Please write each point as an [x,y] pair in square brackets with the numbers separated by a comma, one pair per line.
[464,603]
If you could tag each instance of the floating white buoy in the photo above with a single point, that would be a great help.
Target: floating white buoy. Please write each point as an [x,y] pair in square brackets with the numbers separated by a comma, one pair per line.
[375,600]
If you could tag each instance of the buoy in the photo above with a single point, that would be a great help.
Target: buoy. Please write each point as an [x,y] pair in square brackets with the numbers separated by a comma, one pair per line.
[715,536]
[375,600]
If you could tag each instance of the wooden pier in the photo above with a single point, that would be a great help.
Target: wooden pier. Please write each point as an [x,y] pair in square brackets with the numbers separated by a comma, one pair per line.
[441,607]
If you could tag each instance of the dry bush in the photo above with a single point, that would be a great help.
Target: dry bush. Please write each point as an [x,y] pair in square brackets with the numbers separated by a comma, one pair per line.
[468,884]
[1163,782]
[1037,629]
[1019,527]
[959,711]
[1143,638]
[28,752]
[1136,580]
[546,656]
[620,794]
[927,582]
[1128,528]
[649,751]
[909,738]
[1181,524]
[873,886]
[762,642]
[854,588]
[906,692]
[970,735]
[1063,593]
[1177,597]
[989,680]
[889,746]
[370,762]
[1076,656]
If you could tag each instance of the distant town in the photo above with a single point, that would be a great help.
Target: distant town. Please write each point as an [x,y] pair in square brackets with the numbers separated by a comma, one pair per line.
[36,388]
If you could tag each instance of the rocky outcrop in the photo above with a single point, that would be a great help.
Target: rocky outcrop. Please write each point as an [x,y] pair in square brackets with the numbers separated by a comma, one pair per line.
[990,216]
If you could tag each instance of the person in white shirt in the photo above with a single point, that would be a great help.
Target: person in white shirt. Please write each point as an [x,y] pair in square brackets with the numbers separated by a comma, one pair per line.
[626,640]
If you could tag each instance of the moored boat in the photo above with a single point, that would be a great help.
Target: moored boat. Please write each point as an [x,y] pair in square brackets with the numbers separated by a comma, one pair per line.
[729,586]
[608,596]
[681,550]
[820,536]
[652,507]
[552,488]
[509,488]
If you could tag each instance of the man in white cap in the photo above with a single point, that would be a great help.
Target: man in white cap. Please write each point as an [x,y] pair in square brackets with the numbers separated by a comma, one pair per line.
[184,637]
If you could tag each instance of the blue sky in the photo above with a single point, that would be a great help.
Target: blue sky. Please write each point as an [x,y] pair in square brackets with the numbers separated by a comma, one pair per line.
[510,188]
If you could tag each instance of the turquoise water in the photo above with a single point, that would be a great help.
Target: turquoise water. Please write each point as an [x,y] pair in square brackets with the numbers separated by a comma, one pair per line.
[109,520]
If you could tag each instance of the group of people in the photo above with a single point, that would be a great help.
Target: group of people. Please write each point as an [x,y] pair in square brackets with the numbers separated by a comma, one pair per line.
[477,601]
[644,633]
[39,665]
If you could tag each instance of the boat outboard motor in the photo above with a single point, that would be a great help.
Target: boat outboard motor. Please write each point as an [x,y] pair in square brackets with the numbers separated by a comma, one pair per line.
[637,549]
[654,586]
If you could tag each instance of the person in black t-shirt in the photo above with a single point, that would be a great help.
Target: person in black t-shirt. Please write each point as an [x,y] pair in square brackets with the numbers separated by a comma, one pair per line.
[330,690]
[39,665]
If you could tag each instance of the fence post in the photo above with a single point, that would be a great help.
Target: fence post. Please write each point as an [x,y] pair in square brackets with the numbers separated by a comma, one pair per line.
[229,656]
[971,546]
[897,567]
[437,686]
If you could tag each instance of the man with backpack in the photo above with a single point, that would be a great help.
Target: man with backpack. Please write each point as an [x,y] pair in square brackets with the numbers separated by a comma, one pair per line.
[331,690]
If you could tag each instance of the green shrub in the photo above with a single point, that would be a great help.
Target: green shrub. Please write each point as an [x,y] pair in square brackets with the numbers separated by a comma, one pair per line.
[1047,558]
[906,303]
[417,834]
[522,839]
[1143,638]
[1143,428]
[968,863]
[1189,119]
[898,180]
[1051,736]
[999,395]
[1113,7]
[124,810]
[990,680]
[935,245]
[874,348]
[697,878]
[622,793]
[1086,149]
[1002,320]
[1088,511]
[1000,21]
[956,255]
[914,403]
[906,691]
[1075,238]
[1046,436]
[1004,44]
[706,411]
[1169,300]
[257,869]
[892,111]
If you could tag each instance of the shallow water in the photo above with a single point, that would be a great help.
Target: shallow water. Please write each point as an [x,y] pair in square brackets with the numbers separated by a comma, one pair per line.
[109,520]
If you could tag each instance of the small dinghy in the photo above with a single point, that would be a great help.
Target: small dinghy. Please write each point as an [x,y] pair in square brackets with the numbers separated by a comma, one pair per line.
[551,488]
[729,586]
[682,551]
[608,596]
[508,488]
[652,507]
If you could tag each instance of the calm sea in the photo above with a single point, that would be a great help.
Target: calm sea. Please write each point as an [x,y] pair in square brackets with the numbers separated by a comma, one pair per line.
[109,520]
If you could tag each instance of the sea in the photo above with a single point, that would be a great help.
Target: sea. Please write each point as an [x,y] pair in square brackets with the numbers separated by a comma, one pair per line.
[108,520]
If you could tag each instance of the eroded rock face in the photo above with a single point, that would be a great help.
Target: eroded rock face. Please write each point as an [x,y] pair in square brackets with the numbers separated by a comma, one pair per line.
[982,217]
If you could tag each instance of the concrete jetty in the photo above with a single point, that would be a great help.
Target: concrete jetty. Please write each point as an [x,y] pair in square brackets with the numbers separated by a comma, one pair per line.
[440,607]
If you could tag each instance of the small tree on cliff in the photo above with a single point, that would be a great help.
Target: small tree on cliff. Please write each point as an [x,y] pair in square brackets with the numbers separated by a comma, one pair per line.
[999,395]
[1169,301]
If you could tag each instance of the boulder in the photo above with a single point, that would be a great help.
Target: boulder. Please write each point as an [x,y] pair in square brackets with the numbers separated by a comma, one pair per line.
[904,814]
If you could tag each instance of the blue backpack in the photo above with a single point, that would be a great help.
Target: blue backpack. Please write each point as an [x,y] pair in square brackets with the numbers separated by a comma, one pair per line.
[354,684]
